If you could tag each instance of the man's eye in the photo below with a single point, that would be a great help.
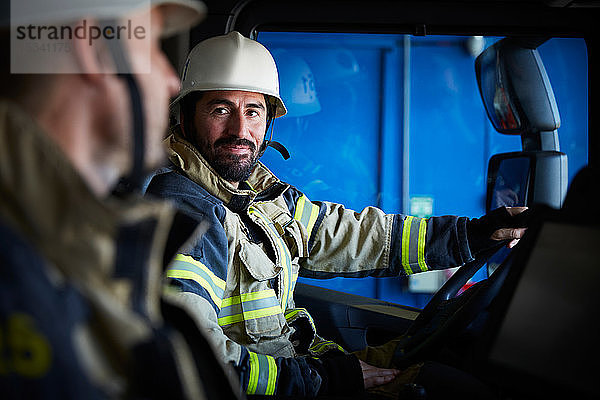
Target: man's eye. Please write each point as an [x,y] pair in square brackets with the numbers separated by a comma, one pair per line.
[220,111]
[252,113]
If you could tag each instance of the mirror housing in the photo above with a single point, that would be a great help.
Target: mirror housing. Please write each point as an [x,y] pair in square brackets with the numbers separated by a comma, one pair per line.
[525,178]
[515,89]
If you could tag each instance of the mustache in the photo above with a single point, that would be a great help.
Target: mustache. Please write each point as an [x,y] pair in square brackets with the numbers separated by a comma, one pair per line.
[234,142]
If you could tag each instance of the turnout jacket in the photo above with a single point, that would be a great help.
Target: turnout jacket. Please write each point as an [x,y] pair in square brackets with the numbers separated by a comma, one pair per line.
[239,277]
[81,310]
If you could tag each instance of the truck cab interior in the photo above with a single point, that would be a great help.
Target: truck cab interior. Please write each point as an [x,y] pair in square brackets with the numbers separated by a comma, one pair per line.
[525,325]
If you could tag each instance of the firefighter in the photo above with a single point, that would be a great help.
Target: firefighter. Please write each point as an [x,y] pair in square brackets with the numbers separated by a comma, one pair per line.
[264,233]
[81,304]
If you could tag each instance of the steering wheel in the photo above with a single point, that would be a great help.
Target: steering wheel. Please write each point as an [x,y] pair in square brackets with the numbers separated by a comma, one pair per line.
[446,315]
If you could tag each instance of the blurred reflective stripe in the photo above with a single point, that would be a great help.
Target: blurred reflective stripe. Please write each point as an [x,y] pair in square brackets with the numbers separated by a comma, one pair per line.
[306,213]
[284,256]
[263,375]
[186,267]
[421,245]
[406,244]
[249,306]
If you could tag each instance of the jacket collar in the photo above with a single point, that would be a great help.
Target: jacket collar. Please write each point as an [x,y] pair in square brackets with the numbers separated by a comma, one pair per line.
[262,183]
[44,198]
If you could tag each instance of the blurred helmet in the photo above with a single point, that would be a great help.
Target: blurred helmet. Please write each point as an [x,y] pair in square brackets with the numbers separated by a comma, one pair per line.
[336,66]
[178,15]
[297,84]
[231,62]
[183,14]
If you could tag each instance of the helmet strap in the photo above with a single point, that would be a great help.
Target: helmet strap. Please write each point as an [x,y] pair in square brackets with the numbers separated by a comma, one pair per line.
[134,180]
[280,148]
[271,111]
[273,143]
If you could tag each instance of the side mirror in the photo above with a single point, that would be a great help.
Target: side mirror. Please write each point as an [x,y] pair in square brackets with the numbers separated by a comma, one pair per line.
[515,89]
[525,178]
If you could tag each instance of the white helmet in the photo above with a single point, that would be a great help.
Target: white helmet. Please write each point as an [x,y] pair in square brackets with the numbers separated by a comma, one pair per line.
[231,62]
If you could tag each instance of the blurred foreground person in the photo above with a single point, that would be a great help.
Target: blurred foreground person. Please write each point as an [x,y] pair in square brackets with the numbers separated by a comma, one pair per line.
[82,313]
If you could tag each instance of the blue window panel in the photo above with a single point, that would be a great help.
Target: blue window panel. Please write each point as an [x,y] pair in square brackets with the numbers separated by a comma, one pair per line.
[339,141]
[334,151]
[446,132]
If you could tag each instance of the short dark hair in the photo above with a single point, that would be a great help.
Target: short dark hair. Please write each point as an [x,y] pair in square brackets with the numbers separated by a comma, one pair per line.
[188,110]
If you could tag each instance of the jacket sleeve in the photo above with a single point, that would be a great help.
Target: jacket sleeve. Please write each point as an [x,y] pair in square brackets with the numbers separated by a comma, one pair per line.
[346,243]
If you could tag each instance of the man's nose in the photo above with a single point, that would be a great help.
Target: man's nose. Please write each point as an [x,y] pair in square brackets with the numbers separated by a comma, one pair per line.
[238,126]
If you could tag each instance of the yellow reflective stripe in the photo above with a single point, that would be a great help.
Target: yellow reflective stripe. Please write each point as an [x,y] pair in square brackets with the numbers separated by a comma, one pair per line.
[290,314]
[250,186]
[307,215]
[272,376]
[178,274]
[186,267]
[218,281]
[249,306]
[263,375]
[248,315]
[319,347]
[421,244]
[284,256]
[313,218]
[261,294]
[294,280]
[263,312]
[299,208]
[230,319]
[254,370]
[405,244]
[287,272]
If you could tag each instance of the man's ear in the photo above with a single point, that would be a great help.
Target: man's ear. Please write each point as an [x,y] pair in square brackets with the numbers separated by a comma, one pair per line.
[182,119]
[184,124]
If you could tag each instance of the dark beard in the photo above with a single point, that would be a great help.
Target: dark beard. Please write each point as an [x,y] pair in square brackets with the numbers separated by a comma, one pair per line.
[234,168]
[231,167]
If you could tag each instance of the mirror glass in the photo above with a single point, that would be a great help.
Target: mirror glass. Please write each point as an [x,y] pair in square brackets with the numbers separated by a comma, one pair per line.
[495,91]
[510,183]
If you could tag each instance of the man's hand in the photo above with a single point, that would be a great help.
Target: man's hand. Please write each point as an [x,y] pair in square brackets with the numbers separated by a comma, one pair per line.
[502,224]
[374,376]
[512,234]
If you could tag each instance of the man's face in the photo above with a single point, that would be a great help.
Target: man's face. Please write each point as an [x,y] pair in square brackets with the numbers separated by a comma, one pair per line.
[229,129]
